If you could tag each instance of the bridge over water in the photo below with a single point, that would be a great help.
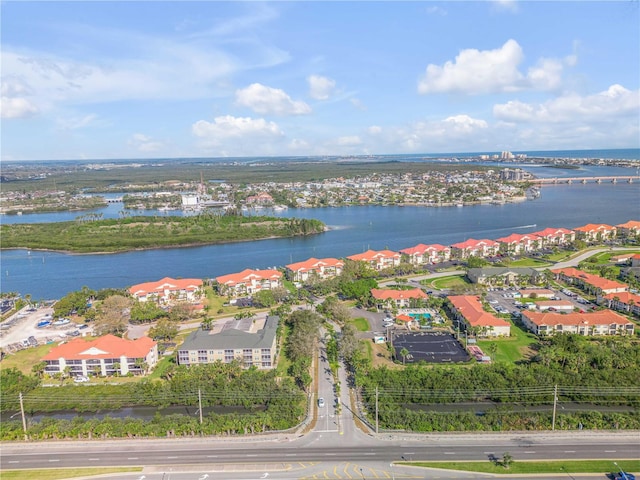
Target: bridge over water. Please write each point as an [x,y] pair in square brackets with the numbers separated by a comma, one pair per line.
[565,180]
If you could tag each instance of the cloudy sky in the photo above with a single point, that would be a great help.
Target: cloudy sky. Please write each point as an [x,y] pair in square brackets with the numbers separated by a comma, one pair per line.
[102,80]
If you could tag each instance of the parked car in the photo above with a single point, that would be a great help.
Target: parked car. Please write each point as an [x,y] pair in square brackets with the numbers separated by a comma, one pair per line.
[81,379]
[622,475]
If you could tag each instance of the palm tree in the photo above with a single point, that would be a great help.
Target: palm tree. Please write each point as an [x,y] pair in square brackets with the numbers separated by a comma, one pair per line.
[404,353]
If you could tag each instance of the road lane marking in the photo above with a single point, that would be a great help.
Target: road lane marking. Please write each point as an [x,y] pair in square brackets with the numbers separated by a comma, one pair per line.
[449,453]
[291,455]
[212,456]
[366,453]
[330,454]
[54,460]
[609,451]
[14,461]
[172,457]
[569,451]
[132,458]
[530,451]
[94,459]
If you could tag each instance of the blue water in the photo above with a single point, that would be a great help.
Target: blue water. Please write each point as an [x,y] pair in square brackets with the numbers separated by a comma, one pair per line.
[419,315]
[47,275]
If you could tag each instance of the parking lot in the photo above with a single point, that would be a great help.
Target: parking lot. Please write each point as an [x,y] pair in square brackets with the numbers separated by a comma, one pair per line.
[16,332]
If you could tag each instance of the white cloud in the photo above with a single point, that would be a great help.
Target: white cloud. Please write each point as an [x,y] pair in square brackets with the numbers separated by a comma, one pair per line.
[505,5]
[493,71]
[17,107]
[228,127]
[320,88]
[270,101]
[76,122]
[436,10]
[464,124]
[613,103]
[351,140]
[144,143]
[357,103]
[298,145]
[374,130]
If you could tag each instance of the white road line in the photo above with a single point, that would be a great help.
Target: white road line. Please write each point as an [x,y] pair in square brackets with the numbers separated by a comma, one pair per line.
[132,458]
[489,453]
[330,454]
[449,453]
[54,460]
[14,461]
[252,455]
[291,455]
[369,453]
[212,456]
[569,451]
[609,451]
[529,452]
[94,459]
[172,457]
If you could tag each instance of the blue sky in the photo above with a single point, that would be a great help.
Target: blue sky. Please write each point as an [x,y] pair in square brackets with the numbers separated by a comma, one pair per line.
[106,80]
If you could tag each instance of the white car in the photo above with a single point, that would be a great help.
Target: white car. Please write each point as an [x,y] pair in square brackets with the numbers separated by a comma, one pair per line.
[81,379]
[320,402]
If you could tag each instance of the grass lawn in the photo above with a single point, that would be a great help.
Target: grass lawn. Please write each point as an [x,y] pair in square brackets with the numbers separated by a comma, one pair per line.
[59,473]
[25,359]
[529,262]
[513,348]
[526,467]
[447,282]
[361,324]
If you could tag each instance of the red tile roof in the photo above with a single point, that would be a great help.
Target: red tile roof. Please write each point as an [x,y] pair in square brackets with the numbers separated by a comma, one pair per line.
[471,309]
[603,284]
[595,227]
[630,225]
[248,275]
[167,283]
[371,255]
[518,238]
[625,297]
[382,294]
[472,243]
[603,317]
[314,264]
[421,249]
[553,232]
[107,346]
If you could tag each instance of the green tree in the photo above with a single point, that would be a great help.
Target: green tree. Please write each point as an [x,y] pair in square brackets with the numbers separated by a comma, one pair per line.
[404,353]
[164,330]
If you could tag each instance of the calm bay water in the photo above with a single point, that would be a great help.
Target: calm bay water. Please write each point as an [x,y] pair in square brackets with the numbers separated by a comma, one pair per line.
[47,275]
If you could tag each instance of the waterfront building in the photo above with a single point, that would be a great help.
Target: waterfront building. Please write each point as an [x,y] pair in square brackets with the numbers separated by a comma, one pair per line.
[378,260]
[516,244]
[468,309]
[252,342]
[423,254]
[499,276]
[105,356]
[605,322]
[555,236]
[474,248]
[386,298]
[169,290]
[588,282]
[248,282]
[595,232]
[628,229]
[314,268]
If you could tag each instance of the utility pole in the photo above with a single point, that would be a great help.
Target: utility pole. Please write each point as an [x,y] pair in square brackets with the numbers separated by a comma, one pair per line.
[555,402]
[200,405]
[24,420]
[376,409]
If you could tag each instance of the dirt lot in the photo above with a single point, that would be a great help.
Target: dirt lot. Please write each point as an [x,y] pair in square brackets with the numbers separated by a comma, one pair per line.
[23,325]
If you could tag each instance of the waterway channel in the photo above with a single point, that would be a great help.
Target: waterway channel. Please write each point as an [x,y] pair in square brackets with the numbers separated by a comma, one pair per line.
[50,275]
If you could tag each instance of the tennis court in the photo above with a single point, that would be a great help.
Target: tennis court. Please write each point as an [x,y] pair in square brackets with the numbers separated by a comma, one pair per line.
[431,347]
